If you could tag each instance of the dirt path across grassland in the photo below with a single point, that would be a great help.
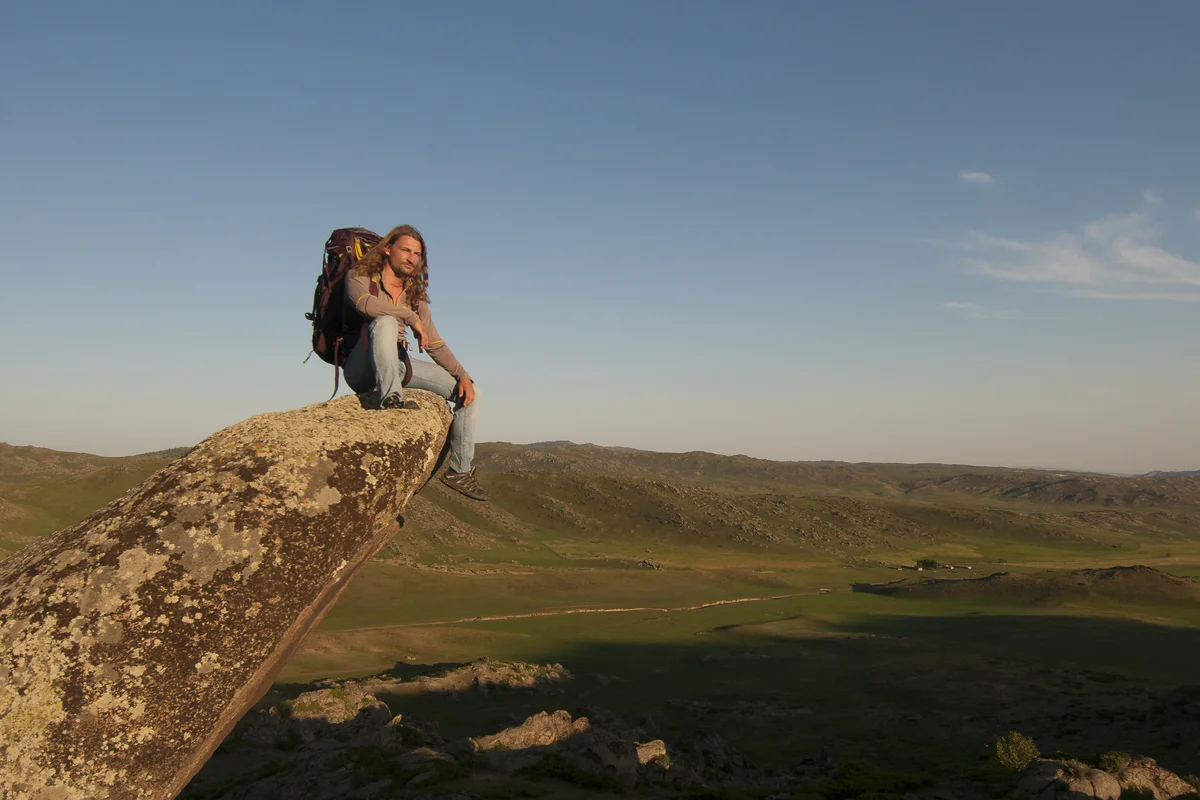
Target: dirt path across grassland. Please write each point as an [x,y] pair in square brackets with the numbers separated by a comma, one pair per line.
[565,611]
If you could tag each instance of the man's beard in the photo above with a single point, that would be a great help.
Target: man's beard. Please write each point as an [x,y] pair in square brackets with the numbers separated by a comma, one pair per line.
[411,272]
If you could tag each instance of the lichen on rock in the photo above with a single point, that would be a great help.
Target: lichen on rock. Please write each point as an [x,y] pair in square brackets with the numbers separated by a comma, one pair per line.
[131,642]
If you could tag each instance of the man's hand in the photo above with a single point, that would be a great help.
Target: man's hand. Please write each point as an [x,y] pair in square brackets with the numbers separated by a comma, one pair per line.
[419,331]
[465,391]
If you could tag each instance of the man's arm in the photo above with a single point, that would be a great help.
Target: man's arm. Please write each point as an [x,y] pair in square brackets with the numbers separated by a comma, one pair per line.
[437,348]
[358,295]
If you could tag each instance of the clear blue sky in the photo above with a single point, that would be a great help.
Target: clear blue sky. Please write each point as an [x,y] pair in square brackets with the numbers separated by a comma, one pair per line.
[920,231]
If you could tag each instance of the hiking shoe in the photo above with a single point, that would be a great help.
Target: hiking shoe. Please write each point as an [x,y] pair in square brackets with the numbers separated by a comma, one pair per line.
[465,483]
[393,401]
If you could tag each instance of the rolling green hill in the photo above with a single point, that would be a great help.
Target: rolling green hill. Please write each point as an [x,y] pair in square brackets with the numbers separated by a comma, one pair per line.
[559,504]
[1135,586]
[580,500]
[44,490]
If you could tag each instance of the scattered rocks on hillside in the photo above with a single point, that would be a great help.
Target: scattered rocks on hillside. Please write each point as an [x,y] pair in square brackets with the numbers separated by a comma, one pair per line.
[564,512]
[540,730]
[336,705]
[21,461]
[708,756]
[348,709]
[1067,780]
[1046,779]
[646,563]
[426,527]
[654,752]
[555,744]
[273,756]
[340,740]
[482,675]
[568,743]
[1144,773]
[9,511]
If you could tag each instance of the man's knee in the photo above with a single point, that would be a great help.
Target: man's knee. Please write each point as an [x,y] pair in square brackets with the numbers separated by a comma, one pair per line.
[385,326]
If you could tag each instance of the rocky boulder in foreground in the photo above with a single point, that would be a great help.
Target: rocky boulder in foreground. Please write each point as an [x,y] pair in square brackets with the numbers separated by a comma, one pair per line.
[132,642]
[1046,779]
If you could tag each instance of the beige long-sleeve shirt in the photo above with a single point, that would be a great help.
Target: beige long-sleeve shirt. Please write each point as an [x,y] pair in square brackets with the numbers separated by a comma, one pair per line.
[369,306]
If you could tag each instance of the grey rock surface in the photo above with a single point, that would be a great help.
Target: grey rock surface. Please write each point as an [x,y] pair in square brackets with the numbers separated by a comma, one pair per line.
[132,642]
[337,706]
[654,751]
[540,730]
[482,675]
[1067,780]
[1146,774]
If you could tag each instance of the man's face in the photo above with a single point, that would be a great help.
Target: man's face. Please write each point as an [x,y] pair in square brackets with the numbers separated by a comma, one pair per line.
[404,256]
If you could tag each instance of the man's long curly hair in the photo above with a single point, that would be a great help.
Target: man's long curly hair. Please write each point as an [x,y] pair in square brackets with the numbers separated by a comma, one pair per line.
[375,259]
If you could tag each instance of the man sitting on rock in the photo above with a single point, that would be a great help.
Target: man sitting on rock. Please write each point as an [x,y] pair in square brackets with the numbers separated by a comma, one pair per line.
[388,288]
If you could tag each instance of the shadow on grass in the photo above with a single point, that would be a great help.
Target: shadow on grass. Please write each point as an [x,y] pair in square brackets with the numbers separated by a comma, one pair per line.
[907,693]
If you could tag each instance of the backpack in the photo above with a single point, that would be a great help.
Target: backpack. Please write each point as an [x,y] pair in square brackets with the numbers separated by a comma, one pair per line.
[336,329]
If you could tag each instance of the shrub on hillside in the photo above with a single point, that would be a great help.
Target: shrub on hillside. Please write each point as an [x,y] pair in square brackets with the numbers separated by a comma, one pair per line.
[1113,762]
[927,563]
[1014,751]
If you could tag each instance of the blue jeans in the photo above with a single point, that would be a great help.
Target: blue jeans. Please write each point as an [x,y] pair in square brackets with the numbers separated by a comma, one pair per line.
[377,365]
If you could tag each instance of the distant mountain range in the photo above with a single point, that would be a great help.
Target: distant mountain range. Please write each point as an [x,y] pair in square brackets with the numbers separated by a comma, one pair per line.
[1190,473]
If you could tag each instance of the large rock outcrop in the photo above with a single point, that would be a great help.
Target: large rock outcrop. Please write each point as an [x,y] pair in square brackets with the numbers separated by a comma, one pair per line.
[1046,779]
[132,642]
[1145,775]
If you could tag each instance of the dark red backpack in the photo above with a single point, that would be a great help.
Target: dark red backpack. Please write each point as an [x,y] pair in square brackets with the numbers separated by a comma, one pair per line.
[335,327]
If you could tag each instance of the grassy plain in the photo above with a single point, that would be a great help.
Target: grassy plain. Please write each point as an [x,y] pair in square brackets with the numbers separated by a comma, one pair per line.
[814,667]
[625,566]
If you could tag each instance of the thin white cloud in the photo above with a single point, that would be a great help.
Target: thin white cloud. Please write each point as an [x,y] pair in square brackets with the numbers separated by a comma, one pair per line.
[1118,256]
[976,311]
[1170,297]
[1152,197]
[938,241]
[966,176]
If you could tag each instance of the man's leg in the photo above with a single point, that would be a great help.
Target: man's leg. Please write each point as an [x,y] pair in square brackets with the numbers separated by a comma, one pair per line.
[377,362]
[433,378]
[357,368]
